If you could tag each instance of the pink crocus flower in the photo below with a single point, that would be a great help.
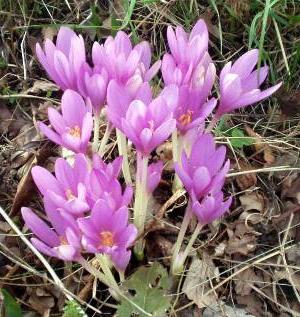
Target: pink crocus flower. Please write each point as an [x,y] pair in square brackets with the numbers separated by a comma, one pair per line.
[63,241]
[239,83]
[188,49]
[129,66]
[148,125]
[107,231]
[190,67]
[63,60]
[67,189]
[92,85]
[102,183]
[71,129]
[203,175]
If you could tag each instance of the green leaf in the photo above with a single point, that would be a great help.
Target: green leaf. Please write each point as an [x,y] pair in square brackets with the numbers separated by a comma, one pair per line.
[239,139]
[73,309]
[12,308]
[149,287]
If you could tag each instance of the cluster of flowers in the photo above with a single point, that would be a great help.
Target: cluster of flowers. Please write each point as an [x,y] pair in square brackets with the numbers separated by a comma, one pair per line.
[84,202]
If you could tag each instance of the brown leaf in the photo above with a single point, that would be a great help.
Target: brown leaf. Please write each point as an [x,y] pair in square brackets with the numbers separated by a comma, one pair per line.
[196,283]
[26,185]
[253,201]
[289,101]
[244,282]
[246,181]
[243,245]
[41,86]
[260,146]
[253,305]
[291,188]
[5,118]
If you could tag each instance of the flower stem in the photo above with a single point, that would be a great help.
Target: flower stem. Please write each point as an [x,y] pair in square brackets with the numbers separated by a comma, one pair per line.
[176,262]
[191,242]
[96,132]
[122,147]
[115,291]
[176,150]
[105,138]
[105,266]
[141,201]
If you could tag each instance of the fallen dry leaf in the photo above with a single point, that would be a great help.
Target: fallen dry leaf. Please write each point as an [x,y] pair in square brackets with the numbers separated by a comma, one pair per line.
[289,101]
[261,146]
[196,283]
[41,86]
[220,309]
[246,181]
[244,282]
[252,201]
[253,305]
[243,245]
[26,185]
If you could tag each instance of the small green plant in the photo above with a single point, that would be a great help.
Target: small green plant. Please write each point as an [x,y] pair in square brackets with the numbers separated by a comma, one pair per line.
[149,287]
[73,309]
[11,306]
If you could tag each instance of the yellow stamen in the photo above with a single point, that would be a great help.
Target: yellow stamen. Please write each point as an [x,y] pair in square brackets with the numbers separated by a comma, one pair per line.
[69,194]
[75,131]
[186,118]
[107,239]
[63,240]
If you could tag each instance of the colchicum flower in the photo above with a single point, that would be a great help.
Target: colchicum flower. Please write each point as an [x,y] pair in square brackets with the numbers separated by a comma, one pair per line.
[92,85]
[64,60]
[239,83]
[67,189]
[190,67]
[203,175]
[186,52]
[107,231]
[129,66]
[63,241]
[71,129]
[148,125]
[102,183]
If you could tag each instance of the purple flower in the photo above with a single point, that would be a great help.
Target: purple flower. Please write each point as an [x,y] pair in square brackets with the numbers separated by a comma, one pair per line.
[92,85]
[190,112]
[102,183]
[122,61]
[153,175]
[203,175]
[67,190]
[210,208]
[63,241]
[119,99]
[107,231]
[239,84]
[188,49]
[148,125]
[188,54]
[73,128]
[63,61]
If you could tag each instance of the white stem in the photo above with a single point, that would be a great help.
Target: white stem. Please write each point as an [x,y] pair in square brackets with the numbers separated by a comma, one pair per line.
[105,138]
[96,132]
[105,266]
[191,242]
[175,267]
[122,147]
[176,150]
[141,201]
